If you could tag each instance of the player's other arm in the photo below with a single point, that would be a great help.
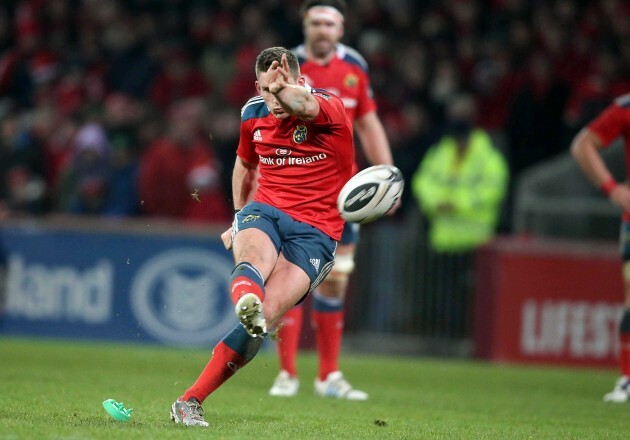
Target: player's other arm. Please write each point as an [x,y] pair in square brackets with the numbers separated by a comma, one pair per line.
[373,139]
[244,178]
[585,149]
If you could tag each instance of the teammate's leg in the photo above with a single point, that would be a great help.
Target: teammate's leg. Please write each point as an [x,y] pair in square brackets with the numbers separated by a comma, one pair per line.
[327,321]
[327,311]
[327,317]
[315,253]
[289,333]
[286,383]
[621,391]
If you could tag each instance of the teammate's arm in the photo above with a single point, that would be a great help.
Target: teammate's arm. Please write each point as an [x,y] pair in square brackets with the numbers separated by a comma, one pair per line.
[373,139]
[293,98]
[375,144]
[585,149]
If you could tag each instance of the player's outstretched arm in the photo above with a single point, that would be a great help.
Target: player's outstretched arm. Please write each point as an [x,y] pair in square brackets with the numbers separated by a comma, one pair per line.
[294,98]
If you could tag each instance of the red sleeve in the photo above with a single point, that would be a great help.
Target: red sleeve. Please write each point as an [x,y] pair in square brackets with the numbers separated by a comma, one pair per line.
[365,102]
[610,124]
[246,148]
[331,110]
[160,92]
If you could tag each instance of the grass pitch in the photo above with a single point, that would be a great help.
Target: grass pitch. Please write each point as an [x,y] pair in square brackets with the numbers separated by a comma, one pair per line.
[54,389]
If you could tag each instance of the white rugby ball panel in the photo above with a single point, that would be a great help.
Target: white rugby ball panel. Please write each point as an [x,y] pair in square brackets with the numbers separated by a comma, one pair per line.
[369,194]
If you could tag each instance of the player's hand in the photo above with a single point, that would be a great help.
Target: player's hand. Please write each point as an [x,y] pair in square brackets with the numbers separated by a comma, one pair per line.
[279,75]
[394,208]
[226,238]
[445,208]
[620,196]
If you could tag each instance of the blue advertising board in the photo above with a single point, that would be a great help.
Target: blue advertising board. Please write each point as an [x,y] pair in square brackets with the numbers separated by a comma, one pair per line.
[114,286]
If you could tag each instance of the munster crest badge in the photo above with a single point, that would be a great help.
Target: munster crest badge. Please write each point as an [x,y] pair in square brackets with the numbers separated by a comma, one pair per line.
[351,80]
[299,134]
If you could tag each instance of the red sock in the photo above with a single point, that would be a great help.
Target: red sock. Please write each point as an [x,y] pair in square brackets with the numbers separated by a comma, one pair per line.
[222,365]
[328,327]
[624,354]
[245,278]
[289,339]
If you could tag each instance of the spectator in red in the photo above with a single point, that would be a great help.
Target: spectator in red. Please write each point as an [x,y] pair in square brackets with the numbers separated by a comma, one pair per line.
[57,134]
[29,64]
[179,79]
[69,93]
[593,93]
[240,88]
[179,176]
[84,184]
[22,185]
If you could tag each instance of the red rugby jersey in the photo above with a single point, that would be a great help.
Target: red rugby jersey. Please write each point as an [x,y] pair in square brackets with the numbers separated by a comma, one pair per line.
[303,165]
[612,123]
[345,76]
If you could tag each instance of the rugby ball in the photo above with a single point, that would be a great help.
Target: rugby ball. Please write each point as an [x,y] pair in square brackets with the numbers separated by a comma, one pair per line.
[369,194]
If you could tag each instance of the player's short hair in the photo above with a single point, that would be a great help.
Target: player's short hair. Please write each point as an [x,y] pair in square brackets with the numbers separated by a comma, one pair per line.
[339,5]
[268,56]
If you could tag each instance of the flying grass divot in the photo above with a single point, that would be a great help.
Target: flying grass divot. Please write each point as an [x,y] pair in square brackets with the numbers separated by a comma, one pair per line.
[117,410]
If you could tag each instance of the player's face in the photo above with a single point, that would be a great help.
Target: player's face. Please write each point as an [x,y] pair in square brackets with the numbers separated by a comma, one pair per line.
[322,35]
[262,85]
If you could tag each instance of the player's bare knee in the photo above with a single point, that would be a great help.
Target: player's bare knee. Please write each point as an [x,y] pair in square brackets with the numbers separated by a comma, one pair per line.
[336,283]
[334,286]
[344,264]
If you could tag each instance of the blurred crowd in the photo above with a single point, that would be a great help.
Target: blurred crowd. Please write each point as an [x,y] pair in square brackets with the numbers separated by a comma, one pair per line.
[126,108]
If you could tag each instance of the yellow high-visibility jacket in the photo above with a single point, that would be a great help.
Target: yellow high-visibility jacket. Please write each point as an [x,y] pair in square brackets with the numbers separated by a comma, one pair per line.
[474,185]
